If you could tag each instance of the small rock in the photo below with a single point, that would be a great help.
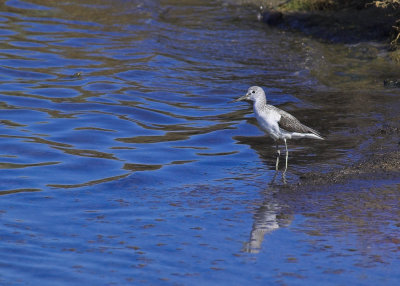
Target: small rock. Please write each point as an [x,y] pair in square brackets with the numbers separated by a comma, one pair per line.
[76,75]
[391,83]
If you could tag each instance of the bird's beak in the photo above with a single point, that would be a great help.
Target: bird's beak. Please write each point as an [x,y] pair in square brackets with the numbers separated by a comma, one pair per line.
[244,97]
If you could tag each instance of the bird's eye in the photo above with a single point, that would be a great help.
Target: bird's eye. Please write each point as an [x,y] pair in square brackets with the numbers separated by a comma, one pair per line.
[253,91]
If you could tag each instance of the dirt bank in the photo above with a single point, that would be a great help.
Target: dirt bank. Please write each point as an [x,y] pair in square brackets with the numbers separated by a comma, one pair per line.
[338,21]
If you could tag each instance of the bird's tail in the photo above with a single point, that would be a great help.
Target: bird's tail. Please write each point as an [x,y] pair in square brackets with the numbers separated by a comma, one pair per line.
[296,135]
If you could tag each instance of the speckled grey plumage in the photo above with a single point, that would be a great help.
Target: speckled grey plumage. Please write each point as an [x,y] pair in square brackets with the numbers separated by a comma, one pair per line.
[290,123]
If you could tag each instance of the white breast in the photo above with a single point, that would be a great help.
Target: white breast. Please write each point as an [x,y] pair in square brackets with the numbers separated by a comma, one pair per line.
[268,121]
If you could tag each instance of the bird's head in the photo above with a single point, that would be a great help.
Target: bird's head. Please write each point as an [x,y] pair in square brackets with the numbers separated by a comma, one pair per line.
[254,93]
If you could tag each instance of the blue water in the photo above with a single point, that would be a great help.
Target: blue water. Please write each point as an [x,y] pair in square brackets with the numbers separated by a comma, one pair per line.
[123,160]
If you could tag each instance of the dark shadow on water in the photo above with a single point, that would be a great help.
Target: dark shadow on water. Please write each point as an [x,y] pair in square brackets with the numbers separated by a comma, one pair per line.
[16,191]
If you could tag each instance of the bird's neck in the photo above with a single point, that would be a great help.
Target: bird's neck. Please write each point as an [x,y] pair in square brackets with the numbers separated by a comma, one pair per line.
[260,103]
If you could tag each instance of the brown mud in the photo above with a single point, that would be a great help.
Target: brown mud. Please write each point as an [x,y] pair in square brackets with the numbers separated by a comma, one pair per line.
[380,161]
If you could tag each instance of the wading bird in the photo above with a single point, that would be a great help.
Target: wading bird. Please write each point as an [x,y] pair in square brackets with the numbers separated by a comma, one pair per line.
[278,124]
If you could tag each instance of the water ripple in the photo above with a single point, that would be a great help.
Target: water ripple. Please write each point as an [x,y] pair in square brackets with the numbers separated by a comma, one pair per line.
[119,146]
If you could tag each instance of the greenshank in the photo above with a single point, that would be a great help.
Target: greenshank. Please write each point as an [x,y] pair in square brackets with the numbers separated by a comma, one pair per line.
[277,123]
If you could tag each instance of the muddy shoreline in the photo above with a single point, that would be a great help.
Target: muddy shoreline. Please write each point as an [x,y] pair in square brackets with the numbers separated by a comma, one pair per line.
[346,26]
[343,23]
[380,160]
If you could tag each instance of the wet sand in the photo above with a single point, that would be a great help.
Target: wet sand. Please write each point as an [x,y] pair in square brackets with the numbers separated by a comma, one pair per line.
[380,160]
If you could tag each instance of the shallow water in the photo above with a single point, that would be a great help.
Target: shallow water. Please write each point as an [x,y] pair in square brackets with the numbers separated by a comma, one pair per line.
[124,161]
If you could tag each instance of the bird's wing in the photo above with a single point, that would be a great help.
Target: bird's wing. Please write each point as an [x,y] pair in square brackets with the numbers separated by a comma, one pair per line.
[290,123]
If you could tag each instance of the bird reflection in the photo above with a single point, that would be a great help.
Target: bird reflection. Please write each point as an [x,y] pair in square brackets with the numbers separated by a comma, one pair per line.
[270,216]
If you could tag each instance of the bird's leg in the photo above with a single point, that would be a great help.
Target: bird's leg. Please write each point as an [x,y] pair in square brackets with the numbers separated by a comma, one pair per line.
[278,153]
[287,154]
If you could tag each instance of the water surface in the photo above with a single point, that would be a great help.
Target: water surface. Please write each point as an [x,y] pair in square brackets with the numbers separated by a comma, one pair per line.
[124,162]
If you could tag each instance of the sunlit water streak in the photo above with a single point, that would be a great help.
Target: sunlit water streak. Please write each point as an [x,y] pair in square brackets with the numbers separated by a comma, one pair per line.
[123,161]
